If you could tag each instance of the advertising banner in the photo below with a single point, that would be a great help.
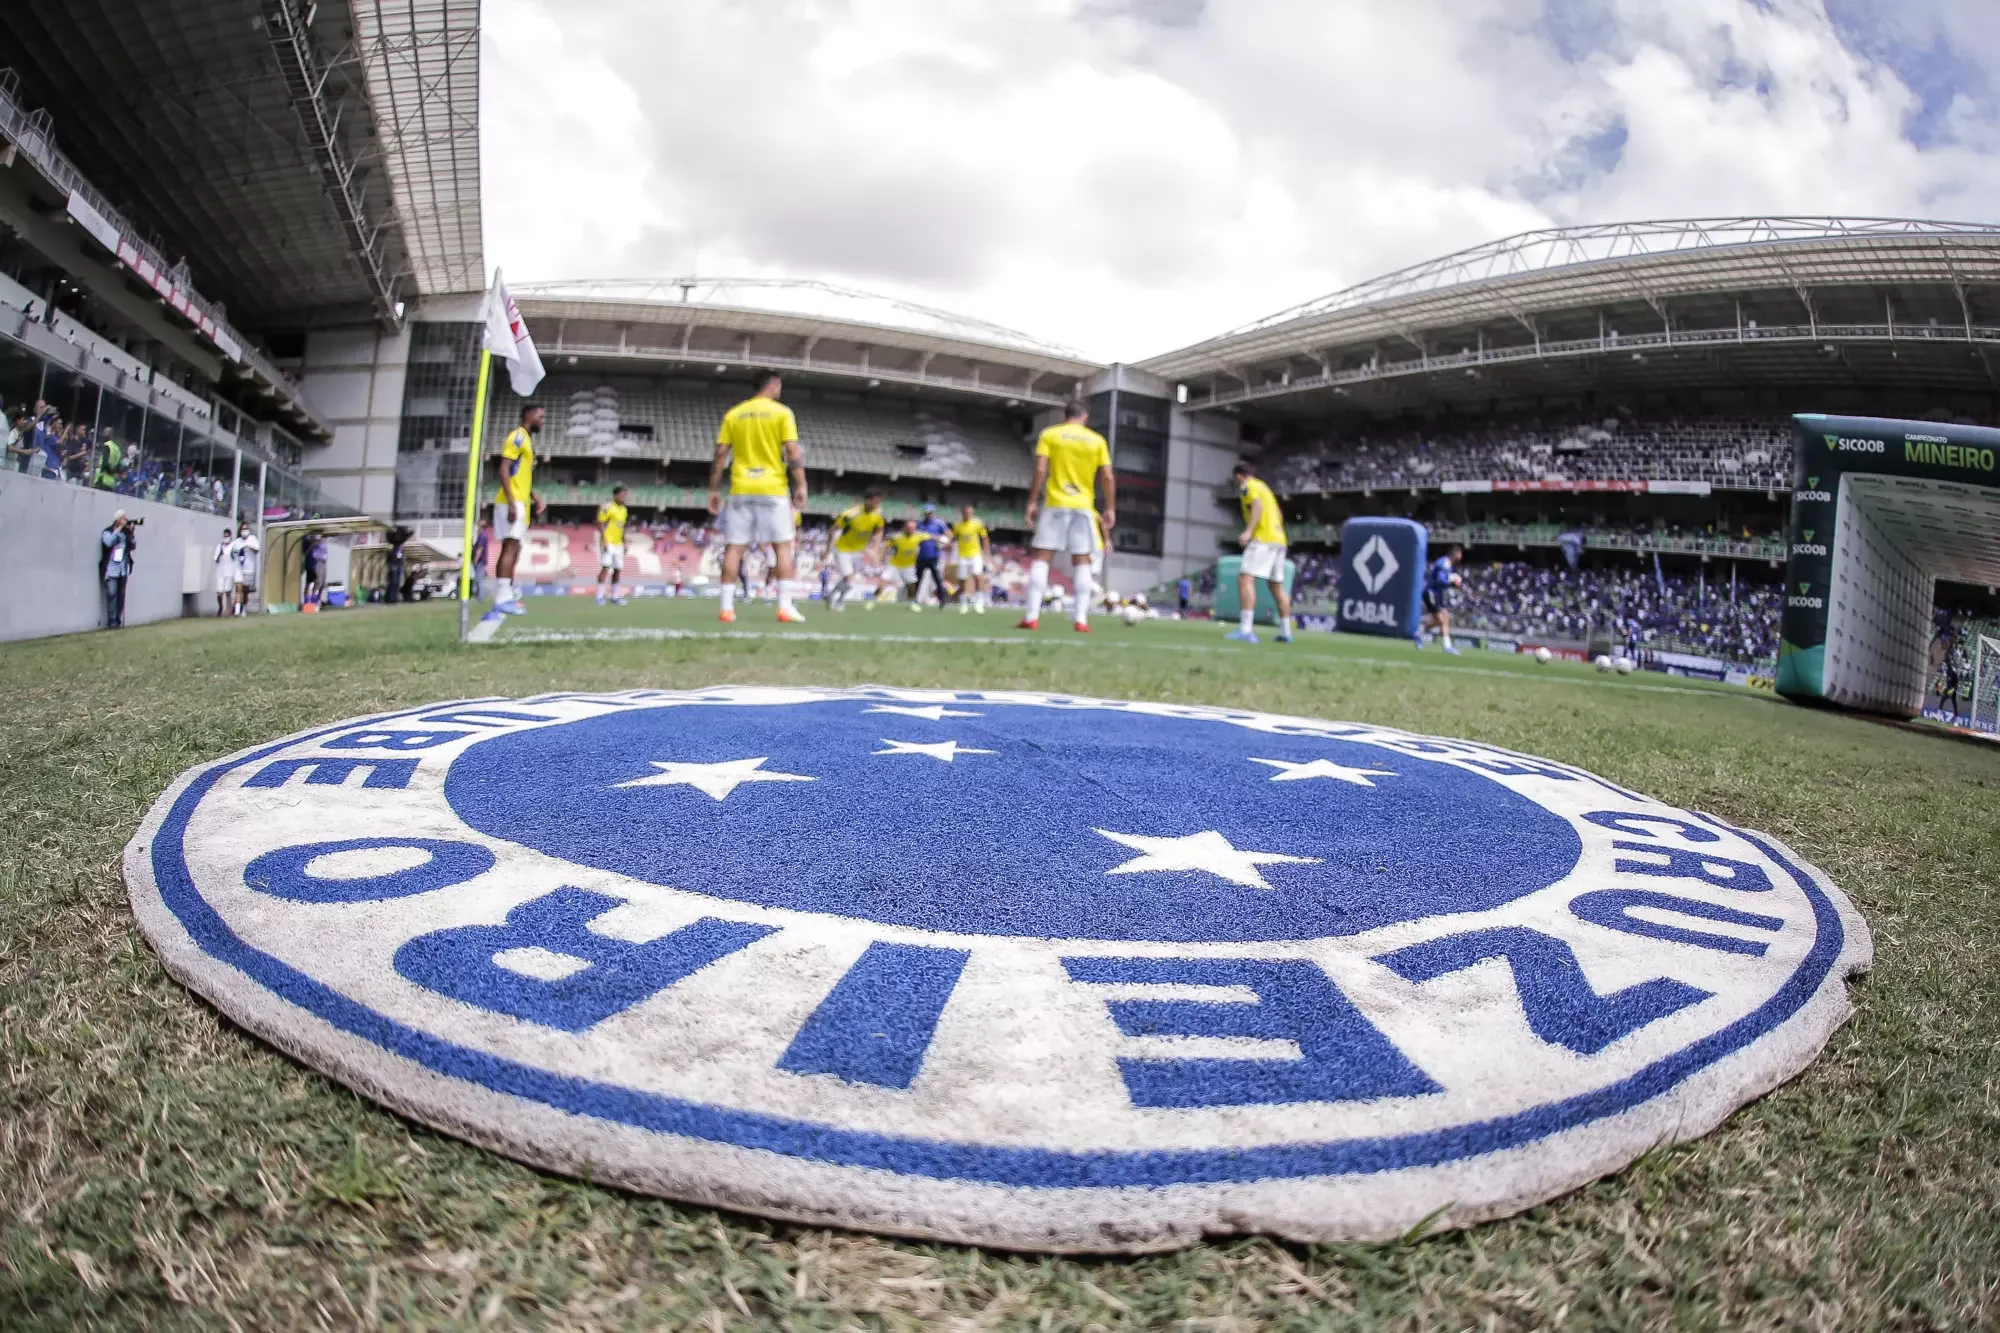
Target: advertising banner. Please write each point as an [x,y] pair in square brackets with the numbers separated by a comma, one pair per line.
[1382,575]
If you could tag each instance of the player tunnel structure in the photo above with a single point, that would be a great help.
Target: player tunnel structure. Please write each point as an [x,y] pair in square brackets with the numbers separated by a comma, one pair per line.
[1881,510]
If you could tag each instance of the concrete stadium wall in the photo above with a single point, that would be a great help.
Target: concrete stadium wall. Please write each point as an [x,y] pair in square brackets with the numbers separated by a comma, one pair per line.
[354,379]
[49,543]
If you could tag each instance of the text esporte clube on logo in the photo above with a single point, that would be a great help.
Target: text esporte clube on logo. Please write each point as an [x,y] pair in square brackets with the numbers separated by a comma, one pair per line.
[1019,969]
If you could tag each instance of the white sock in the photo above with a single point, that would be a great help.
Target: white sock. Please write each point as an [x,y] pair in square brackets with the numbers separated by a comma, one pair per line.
[1245,620]
[503,590]
[785,594]
[1038,586]
[1083,593]
[1286,623]
[728,596]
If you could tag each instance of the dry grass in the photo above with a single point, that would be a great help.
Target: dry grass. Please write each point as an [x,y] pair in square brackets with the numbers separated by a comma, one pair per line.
[159,1168]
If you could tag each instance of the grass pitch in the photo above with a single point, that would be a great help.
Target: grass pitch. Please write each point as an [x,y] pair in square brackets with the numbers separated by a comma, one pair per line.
[159,1168]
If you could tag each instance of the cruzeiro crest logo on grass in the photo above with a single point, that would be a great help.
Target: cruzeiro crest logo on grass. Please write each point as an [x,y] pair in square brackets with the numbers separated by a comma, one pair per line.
[1020,969]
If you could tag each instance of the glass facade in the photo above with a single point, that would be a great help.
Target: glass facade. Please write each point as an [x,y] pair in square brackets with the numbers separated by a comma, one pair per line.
[1136,426]
[104,429]
[438,390]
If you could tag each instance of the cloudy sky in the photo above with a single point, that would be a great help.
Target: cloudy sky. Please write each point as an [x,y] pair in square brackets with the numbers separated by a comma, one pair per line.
[1127,176]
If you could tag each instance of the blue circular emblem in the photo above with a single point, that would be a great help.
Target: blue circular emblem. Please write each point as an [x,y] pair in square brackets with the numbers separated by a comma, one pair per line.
[1032,970]
[1014,820]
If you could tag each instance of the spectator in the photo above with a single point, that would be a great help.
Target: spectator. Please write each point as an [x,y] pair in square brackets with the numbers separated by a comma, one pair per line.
[316,555]
[248,556]
[110,463]
[118,549]
[20,445]
[482,552]
[224,563]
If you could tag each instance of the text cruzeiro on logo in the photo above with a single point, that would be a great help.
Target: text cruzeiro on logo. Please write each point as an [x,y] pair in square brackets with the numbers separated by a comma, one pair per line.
[1071,973]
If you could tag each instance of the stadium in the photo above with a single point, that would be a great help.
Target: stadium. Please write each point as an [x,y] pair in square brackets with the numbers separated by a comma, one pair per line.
[244,290]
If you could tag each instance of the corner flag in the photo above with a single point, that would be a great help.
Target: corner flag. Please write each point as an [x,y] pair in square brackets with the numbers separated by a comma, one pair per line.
[507,338]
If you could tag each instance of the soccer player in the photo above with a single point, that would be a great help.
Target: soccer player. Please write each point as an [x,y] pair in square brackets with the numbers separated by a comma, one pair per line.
[1263,542]
[903,547]
[513,505]
[972,541]
[1071,460]
[1439,589]
[611,516]
[857,537]
[759,445]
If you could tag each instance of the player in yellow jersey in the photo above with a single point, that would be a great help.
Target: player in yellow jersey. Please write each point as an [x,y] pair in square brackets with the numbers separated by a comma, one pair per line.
[972,545]
[1263,542]
[758,444]
[1071,462]
[903,545]
[611,516]
[857,537]
[513,505]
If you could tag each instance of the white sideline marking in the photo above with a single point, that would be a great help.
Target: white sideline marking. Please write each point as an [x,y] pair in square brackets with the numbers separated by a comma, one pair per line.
[635,634]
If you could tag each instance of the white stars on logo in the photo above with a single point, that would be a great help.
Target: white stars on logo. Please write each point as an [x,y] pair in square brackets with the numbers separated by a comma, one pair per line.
[718,780]
[945,750]
[930,712]
[1209,852]
[1323,768]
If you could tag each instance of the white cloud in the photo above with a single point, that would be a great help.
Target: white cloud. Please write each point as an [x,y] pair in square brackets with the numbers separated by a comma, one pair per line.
[1127,177]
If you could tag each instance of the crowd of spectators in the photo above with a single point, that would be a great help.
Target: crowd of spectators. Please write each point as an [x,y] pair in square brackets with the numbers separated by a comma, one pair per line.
[1726,451]
[1639,609]
[41,444]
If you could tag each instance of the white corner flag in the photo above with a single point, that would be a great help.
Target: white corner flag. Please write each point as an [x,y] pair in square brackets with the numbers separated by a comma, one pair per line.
[507,338]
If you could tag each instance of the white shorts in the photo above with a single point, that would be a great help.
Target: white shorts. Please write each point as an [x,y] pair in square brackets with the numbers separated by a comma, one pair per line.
[514,530]
[748,520]
[1264,560]
[1066,531]
[908,575]
[611,557]
[971,567]
[225,580]
[847,563]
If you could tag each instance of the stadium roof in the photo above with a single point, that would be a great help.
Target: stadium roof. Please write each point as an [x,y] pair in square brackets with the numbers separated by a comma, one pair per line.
[796,325]
[810,301]
[306,159]
[1579,291]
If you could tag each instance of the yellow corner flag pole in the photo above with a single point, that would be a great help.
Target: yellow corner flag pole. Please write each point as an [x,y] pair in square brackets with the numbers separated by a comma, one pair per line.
[472,492]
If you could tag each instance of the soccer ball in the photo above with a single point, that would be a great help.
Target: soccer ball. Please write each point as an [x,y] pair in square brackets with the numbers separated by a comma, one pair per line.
[1626,666]
[1544,656]
[1603,662]
[1133,613]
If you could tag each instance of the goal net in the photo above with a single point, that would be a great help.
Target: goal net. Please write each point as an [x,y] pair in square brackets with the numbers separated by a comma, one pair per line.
[1984,712]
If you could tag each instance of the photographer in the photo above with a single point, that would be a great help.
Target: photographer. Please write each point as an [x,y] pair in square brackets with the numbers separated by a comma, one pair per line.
[118,546]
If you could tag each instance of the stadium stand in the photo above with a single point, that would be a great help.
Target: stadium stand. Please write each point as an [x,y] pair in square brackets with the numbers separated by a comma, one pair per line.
[675,422]
[1722,452]
[1538,602]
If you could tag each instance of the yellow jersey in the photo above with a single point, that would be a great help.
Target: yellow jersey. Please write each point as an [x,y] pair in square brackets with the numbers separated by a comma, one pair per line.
[903,548]
[611,517]
[520,447]
[1271,523]
[757,431]
[855,527]
[1074,453]
[968,534]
